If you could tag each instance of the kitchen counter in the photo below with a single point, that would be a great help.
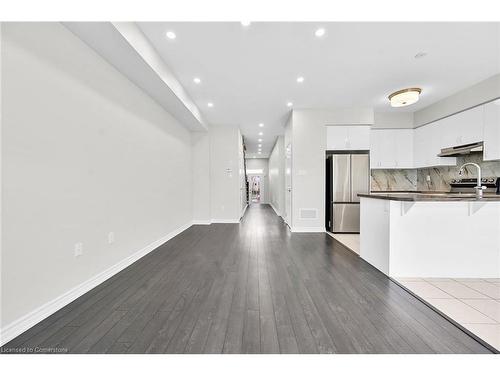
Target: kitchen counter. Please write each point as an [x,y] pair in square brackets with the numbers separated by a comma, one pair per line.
[431,235]
[431,197]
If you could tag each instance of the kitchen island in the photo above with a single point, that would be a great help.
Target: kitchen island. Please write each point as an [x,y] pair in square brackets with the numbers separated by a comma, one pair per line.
[431,235]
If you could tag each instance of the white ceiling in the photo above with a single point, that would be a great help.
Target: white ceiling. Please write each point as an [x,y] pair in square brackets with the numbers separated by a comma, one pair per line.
[249,73]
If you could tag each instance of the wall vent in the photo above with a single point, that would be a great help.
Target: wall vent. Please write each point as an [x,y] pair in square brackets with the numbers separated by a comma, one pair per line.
[308,213]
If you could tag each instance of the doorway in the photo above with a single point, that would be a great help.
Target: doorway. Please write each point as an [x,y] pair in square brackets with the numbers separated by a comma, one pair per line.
[255,189]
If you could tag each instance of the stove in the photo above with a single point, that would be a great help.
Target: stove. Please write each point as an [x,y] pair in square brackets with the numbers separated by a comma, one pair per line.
[466,185]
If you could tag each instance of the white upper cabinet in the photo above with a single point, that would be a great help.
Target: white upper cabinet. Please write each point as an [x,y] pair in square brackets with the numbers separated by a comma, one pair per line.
[492,131]
[428,142]
[348,137]
[463,128]
[404,148]
[391,148]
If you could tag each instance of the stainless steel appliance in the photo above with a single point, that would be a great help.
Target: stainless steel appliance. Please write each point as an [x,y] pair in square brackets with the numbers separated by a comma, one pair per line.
[462,149]
[469,185]
[348,173]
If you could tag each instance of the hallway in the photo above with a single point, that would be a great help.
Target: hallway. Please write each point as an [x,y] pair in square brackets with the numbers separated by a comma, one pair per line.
[248,288]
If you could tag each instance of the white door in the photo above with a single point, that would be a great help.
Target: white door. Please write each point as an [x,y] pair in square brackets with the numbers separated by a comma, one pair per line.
[288,185]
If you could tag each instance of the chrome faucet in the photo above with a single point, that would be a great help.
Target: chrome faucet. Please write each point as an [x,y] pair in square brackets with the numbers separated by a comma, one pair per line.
[479,188]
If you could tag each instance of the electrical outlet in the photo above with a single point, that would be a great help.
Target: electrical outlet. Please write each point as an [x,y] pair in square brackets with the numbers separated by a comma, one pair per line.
[78,249]
[111,237]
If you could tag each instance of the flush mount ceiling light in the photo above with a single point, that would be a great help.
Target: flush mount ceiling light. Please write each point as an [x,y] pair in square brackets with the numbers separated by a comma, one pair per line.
[405,97]
[171,35]
[196,80]
[320,32]
[289,104]
[210,104]
[261,125]
[300,79]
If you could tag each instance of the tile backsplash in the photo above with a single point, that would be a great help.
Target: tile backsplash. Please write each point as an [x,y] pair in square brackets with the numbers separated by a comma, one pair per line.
[439,177]
[393,179]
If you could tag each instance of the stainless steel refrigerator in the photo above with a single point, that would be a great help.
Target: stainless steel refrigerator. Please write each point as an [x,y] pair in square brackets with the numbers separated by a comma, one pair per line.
[348,173]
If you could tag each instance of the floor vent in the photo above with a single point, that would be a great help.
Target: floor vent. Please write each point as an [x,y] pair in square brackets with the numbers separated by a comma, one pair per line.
[308,213]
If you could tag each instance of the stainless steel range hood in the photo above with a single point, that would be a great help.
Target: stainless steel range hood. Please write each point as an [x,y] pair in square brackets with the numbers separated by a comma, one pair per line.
[462,150]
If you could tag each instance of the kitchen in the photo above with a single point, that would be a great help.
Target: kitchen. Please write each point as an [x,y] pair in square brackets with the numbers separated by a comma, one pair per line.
[426,221]
[338,196]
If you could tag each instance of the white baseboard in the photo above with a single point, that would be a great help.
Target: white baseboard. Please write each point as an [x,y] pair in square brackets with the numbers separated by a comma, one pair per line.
[202,222]
[275,210]
[27,321]
[307,229]
[225,221]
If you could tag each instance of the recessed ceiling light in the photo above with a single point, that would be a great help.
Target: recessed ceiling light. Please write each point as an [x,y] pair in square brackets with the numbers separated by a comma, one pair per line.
[320,32]
[245,23]
[300,79]
[171,35]
[210,104]
[261,125]
[289,104]
[259,152]
[260,133]
[405,97]
[420,55]
[260,140]
[196,80]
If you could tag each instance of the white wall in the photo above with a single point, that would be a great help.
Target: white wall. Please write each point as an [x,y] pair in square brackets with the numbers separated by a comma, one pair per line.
[480,93]
[201,177]
[308,160]
[84,152]
[225,180]
[277,176]
[393,120]
[286,213]
[263,164]
[241,175]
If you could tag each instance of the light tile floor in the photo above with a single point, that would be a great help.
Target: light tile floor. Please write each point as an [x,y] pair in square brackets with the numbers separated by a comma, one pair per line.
[473,303]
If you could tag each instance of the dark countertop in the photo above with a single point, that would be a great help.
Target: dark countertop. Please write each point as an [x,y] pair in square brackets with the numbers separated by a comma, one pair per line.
[431,197]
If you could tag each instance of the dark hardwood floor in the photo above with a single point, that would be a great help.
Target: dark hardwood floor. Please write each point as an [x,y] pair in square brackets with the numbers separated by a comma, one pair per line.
[252,287]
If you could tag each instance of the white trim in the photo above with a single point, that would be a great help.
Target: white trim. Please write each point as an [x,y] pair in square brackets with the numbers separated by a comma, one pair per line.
[202,222]
[275,210]
[307,229]
[243,212]
[27,321]
[225,221]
